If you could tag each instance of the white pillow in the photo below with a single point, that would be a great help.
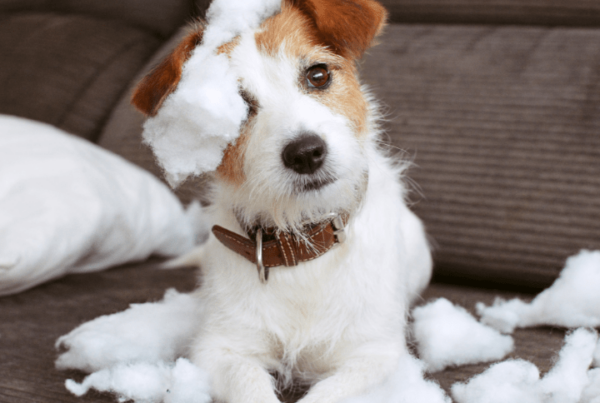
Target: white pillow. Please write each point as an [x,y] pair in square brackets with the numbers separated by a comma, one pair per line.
[69,206]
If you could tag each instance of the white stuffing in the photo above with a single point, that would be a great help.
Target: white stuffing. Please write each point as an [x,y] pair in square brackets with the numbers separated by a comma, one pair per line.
[518,381]
[406,385]
[572,301]
[204,114]
[132,353]
[502,315]
[591,393]
[197,121]
[508,381]
[150,332]
[448,335]
[141,381]
[567,379]
[181,382]
[189,384]
[597,356]
[229,18]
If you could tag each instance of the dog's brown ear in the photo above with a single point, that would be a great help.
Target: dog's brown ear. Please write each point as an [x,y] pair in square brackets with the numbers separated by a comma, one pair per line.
[151,92]
[348,27]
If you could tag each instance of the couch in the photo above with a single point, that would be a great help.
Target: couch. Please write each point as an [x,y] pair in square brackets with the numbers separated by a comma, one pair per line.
[496,102]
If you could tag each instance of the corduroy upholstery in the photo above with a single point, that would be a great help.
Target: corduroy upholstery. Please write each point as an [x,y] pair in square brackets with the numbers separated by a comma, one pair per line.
[160,17]
[503,124]
[576,13]
[68,70]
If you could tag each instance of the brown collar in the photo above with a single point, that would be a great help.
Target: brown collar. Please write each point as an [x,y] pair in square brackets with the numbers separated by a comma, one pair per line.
[273,248]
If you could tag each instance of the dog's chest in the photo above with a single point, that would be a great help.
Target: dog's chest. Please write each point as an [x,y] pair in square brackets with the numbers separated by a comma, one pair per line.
[309,303]
[307,326]
[299,306]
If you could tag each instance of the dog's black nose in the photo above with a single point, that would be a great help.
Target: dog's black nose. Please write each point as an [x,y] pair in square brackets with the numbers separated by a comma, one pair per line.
[305,154]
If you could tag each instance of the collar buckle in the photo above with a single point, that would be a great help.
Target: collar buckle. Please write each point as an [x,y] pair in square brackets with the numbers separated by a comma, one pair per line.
[338,228]
[263,272]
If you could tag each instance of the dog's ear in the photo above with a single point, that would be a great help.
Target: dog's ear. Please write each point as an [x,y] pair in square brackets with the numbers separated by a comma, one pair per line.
[151,92]
[348,27]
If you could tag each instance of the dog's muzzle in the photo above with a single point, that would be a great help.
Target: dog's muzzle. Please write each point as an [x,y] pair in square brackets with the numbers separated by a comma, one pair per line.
[273,248]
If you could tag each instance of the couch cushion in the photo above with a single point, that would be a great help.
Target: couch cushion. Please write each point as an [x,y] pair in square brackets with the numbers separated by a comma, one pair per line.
[159,16]
[528,12]
[123,131]
[31,322]
[503,123]
[67,70]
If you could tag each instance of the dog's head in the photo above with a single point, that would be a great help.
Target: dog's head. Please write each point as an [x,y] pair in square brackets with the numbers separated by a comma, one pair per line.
[302,149]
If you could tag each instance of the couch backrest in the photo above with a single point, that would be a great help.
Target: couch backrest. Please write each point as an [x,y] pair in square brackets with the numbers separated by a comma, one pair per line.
[503,123]
[576,13]
[67,62]
[162,17]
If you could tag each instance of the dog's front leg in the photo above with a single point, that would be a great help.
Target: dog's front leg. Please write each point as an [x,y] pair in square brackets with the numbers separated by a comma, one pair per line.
[352,378]
[236,378]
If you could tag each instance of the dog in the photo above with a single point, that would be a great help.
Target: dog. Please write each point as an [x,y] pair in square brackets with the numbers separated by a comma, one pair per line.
[314,256]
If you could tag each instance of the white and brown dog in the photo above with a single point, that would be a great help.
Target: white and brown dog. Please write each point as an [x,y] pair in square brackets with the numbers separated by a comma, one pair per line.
[306,196]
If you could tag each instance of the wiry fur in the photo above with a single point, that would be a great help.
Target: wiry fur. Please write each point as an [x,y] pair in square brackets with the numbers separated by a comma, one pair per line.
[336,322]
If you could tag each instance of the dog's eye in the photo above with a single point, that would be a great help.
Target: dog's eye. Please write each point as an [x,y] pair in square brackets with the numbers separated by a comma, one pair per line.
[318,76]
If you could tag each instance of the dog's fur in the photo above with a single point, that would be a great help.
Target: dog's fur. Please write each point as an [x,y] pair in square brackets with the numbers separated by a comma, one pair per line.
[336,322]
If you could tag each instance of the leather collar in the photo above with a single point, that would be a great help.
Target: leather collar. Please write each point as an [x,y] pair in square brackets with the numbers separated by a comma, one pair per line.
[273,248]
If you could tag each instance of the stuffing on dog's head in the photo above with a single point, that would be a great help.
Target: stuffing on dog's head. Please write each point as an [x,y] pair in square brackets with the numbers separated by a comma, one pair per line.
[301,150]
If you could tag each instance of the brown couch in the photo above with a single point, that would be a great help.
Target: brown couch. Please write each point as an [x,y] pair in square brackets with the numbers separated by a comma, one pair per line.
[496,101]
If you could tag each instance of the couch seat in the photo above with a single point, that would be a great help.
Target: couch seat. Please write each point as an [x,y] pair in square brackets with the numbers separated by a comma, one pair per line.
[30,323]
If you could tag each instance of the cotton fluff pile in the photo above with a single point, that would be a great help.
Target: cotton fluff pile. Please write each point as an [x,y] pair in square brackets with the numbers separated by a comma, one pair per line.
[591,393]
[572,301]
[205,112]
[519,381]
[134,353]
[448,335]
[181,382]
[406,385]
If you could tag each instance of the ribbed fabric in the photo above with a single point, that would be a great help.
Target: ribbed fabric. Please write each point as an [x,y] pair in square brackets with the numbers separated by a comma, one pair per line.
[161,17]
[68,70]
[577,13]
[503,124]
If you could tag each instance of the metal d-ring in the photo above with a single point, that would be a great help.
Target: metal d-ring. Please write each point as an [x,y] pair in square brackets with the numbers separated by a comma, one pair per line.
[339,231]
[263,272]
[338,227]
